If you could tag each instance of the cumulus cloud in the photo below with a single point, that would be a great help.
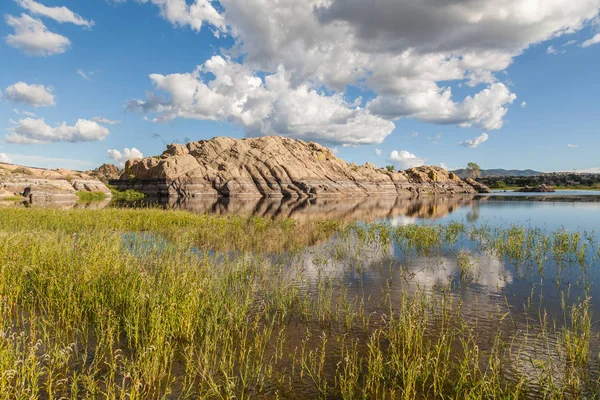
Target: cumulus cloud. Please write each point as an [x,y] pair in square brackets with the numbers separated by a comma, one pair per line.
[485,109]
[59,14]
[32,37]
[378,152]
[33,95]
[4,158]
[102,120]
[127,154]
[194,15]
[404,159]
[595,39]
[36,131]
[524,104]
[404,51]
[478,141]
[263,107]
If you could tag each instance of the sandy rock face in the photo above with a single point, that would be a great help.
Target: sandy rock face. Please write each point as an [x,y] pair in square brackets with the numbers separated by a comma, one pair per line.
[44,185]
[273,166]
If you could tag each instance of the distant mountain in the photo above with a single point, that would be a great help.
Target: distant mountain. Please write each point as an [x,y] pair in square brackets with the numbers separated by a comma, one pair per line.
[462,173]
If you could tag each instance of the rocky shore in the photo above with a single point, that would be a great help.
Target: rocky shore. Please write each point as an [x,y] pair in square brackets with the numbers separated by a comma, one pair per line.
[275,167]
[38,185]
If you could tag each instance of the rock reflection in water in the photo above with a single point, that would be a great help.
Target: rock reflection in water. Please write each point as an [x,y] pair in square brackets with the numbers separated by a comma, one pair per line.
[364,209]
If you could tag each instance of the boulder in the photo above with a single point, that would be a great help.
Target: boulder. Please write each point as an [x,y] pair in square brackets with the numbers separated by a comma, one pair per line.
[274,166]
[479,187]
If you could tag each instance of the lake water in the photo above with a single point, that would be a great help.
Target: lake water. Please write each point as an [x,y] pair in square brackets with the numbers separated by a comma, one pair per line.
[571,210]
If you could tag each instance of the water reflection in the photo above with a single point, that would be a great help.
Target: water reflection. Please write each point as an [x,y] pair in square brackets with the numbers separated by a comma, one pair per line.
[354,208]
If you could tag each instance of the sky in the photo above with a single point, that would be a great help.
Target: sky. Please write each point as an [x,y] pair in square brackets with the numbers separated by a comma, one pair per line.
[507,84]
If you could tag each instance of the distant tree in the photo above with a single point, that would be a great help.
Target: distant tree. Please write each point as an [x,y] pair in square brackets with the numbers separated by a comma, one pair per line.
[390,168]
[473,170]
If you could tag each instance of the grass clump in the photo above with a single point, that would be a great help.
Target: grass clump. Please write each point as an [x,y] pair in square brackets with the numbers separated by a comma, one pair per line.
[126,195]
[11,198]
[91,196]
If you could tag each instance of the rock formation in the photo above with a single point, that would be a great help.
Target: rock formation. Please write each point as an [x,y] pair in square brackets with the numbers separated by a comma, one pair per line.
[273,166]
[105,172]
[39,185]
[478,186]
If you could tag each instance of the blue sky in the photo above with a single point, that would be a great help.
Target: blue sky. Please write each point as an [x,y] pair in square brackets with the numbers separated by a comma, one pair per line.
[372,87]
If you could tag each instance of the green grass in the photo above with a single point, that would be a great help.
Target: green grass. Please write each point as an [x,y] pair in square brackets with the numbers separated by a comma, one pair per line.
[91,196]
[153,304]
[12,198]
[126,195]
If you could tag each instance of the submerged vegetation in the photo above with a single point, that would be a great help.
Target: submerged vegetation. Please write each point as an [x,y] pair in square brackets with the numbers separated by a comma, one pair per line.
[162,304]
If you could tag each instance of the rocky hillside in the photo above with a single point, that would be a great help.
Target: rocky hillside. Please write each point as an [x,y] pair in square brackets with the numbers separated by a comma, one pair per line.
[44,185]
[274,167]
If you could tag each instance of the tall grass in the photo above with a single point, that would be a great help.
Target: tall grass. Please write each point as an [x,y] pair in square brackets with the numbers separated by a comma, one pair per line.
[139,304]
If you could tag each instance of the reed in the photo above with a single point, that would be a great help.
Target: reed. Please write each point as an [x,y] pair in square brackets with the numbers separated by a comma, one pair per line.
[137,304]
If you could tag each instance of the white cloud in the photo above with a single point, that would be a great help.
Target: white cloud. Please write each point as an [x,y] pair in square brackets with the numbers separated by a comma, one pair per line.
[404,51]
[573,146]
[26,113]
[59,14]
[81,73]
[478,141]
[263,107]
[121,158]
[591,41]
[4,158]
[36,131]
[102,120]
[378,152]
[32,37]
[485,109]
[443,165]
[570,42]
[33,95]
[194,15]
[404,159]
[524,104]
[554,51]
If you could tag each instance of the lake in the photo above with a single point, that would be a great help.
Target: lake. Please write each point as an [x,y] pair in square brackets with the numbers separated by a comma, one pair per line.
[571,210]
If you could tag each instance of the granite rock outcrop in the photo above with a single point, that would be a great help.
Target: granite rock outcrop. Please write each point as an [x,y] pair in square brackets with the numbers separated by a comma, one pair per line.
[39,185]
[273,166]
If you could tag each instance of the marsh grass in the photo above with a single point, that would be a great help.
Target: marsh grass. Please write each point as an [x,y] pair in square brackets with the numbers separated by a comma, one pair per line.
[138,304]
[126,195]
[91,196]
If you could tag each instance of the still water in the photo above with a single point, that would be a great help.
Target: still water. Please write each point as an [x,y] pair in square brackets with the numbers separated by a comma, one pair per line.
[570,210]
